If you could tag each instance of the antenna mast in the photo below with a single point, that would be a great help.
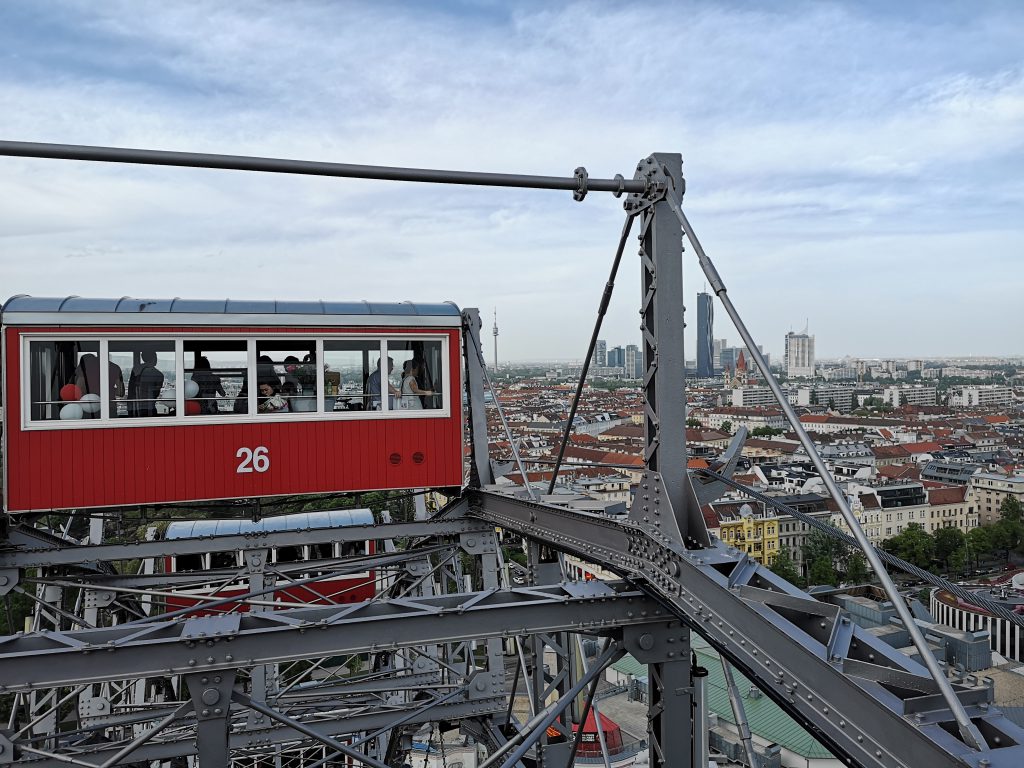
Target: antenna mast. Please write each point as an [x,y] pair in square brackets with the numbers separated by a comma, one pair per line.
[495,332]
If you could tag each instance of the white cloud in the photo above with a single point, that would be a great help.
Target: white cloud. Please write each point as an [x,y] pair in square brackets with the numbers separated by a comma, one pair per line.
[827,150]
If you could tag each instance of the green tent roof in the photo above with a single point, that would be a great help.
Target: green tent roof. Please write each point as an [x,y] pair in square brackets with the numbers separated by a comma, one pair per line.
[764,716]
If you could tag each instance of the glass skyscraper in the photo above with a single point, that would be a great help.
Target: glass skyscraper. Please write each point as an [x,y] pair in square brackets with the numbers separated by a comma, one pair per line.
[705,336]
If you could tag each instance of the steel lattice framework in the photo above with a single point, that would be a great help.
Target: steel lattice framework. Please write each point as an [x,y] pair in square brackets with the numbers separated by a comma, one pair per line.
[97,680]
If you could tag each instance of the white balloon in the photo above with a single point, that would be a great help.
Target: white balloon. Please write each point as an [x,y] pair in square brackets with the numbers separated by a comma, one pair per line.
[191,389]
[90,403]
[71,411]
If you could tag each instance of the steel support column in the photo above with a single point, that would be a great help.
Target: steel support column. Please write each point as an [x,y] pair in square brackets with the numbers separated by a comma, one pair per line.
[665,503]
[670,704]
[480,464]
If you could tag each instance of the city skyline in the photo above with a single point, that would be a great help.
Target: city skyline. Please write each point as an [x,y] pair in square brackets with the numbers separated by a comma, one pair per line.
[825,183]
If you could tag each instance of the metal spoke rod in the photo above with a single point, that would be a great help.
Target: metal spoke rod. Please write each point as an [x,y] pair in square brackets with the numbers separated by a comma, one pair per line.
[613,653]
[305,730]
[579,184]
[602,308]
[504,421]
[740,713]
[145,736]
[968,731]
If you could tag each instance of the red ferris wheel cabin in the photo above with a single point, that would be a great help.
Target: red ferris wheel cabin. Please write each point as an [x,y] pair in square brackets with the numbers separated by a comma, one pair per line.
[114,402]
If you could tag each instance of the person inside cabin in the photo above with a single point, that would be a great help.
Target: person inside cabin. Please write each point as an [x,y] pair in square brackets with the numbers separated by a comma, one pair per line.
[271,400]
[265,374]
[373,387]
[144,385]
[87,377]
[291,384]
[210,386]
[411,399]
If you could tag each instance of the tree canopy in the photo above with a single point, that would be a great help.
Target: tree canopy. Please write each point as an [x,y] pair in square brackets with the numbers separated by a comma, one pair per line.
[913,544]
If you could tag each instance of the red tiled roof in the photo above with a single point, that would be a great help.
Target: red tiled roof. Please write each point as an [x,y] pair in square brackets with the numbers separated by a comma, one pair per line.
[901,472]
[947,495]
[890,452]
[926,447]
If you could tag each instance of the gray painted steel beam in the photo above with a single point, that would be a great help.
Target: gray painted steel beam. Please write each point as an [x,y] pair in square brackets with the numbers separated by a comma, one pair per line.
[29,662]
[579,183]
[32,552]
[264,738]
[791,645]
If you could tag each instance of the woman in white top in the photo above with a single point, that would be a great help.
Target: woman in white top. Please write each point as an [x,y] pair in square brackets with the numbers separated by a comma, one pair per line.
[410,399]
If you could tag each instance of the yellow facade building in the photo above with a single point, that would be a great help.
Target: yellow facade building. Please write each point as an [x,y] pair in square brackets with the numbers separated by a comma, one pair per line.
[750,528]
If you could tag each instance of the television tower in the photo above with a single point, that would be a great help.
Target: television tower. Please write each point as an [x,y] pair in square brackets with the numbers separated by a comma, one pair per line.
[495,332]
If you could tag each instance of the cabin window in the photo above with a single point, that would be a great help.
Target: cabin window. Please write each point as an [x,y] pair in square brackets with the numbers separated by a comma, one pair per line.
[289,555]
[191,379]
[323,551]
[189,562]
[63,380]
[147,368]
[352,375]
[417,370]
[286,376]
[216,377]
[352,549]
[223,559]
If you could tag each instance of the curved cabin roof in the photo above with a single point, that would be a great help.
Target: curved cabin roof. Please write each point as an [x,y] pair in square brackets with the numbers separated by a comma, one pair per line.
[300,521]
[76,310]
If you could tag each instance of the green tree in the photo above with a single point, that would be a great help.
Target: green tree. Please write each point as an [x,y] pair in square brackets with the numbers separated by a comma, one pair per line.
[693,423]
[960,560]
[913,544]
[727,427]
[948,541]
[820,546]
[1006,536]
[823,572]
[766,432]
[857,569]
[1011,509]
[980,544]
[784,566]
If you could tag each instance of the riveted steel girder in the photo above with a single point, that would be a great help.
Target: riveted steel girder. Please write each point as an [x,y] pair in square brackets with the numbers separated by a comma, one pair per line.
[865,700]
[230,641]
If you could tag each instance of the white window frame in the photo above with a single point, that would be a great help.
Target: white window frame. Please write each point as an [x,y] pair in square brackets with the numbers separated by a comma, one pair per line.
[105,421]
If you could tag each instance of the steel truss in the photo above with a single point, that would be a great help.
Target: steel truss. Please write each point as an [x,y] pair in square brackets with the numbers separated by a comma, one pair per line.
[106,678]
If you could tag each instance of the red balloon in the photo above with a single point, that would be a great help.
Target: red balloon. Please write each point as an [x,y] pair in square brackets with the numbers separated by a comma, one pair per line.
[192,408]
[71,392]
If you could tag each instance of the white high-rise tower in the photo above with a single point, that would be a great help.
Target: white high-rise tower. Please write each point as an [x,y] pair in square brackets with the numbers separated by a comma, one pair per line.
[799,355]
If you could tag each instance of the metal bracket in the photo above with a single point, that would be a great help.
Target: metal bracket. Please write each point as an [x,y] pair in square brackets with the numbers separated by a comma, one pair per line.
[6,748]
[211,693]
[98,598]
[658,181]
[654,644]
[580,174]
[478,543]
[9,578]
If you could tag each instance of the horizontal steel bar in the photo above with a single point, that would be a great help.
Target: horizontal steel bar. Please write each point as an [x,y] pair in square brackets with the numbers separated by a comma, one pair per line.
[312,168]
[279,734]
[230,641]
[33,552]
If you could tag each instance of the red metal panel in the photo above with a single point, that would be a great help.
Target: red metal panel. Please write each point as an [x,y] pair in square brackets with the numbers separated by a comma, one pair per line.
[127,465]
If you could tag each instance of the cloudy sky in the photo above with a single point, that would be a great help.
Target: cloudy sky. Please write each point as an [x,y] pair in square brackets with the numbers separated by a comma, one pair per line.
[857,166]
